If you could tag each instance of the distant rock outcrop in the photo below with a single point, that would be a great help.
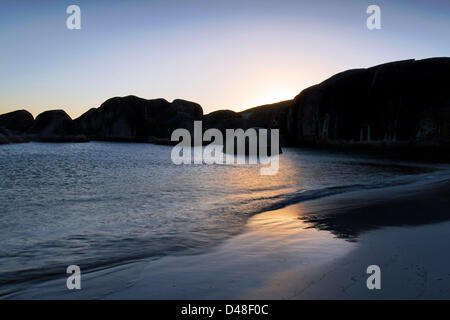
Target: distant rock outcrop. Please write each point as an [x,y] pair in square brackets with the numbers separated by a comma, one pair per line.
[13,126]
[55,126]
[224,119]
[17,121]
[270,116]
[227,119]
[135,119]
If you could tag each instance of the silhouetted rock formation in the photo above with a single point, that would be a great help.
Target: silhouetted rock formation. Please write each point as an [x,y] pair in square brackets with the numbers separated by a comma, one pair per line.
[135,119]
[227,119]
[224,119]
[17,121]
[271,116]
[393,104]
[55,126]
[13,126]
[403,104]
[397,105]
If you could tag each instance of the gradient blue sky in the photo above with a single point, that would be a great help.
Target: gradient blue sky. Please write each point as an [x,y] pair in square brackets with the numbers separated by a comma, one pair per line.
[223,54]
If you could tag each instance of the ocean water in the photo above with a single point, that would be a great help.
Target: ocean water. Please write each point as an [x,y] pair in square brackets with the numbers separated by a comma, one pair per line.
[103,204]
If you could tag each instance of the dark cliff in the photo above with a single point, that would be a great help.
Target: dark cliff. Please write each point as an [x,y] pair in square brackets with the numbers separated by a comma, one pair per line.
[393,104]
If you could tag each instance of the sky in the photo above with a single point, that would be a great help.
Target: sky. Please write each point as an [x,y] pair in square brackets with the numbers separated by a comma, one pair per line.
[222,54]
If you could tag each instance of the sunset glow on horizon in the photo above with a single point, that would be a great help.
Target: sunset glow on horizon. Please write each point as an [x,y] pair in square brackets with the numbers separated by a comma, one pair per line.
[221,54]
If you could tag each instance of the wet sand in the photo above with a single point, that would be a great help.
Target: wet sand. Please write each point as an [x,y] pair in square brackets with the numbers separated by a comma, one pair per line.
[405,231]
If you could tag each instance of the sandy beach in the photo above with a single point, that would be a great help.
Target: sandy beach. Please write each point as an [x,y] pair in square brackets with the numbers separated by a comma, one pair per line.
[408,241]
[318,249]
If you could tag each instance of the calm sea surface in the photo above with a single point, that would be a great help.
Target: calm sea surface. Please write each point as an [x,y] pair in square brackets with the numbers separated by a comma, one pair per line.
[101,204]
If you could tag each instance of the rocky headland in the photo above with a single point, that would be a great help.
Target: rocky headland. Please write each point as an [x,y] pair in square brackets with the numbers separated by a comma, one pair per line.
[402,105]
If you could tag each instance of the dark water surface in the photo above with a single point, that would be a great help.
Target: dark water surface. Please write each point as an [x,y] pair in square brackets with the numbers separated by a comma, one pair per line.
[100,204]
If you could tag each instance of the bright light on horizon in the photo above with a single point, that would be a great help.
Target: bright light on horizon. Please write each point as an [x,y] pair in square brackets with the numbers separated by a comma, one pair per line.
[272,95]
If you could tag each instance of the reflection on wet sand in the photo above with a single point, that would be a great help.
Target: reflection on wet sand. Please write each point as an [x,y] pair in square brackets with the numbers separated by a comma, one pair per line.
[381,208]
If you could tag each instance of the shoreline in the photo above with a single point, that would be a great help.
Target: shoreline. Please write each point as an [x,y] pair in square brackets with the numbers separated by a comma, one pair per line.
[298,252]
[411,253]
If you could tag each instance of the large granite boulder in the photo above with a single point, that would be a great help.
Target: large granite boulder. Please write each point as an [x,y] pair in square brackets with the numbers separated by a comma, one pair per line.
[224,119]
[393,104]
[17,121]
[55,126]
[135,119]
[13,126]
[270,116]
[227,119]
